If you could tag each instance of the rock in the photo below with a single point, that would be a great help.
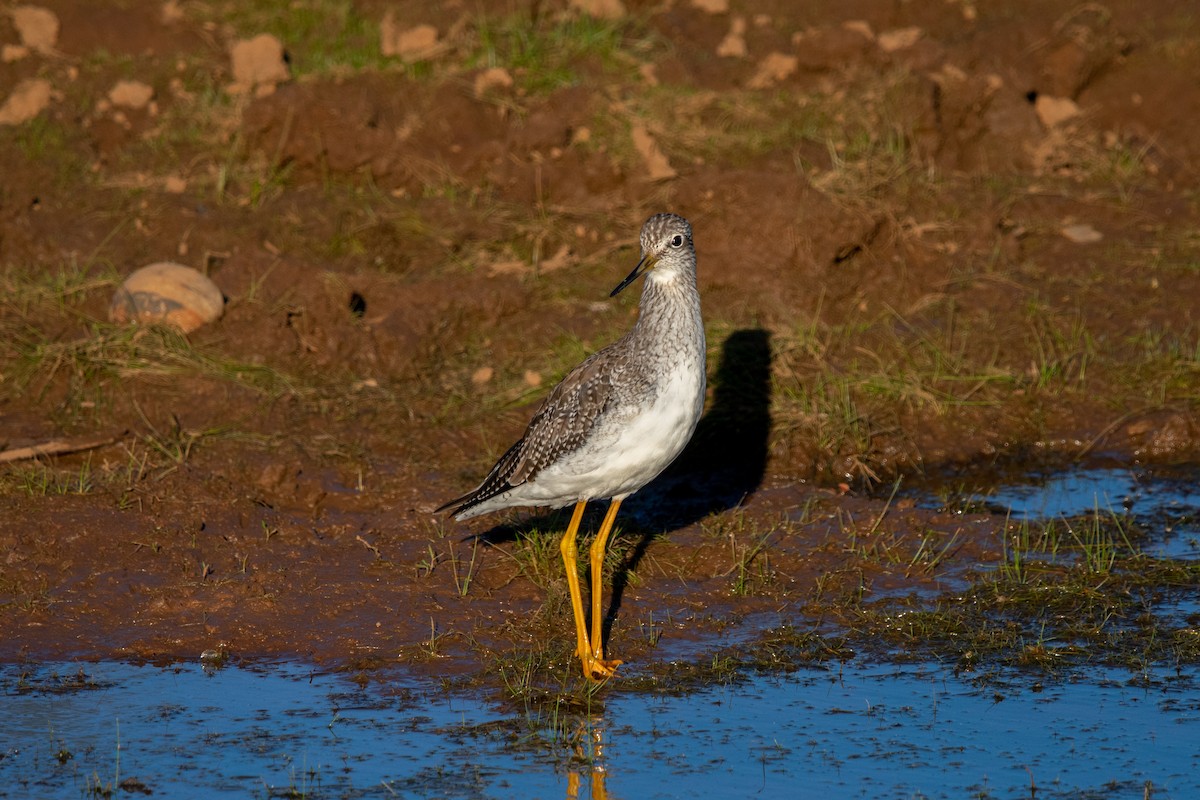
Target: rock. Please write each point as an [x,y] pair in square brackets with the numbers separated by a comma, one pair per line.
[259,65]
[171,13]
[657,166]
[1054,111]
[28,99]
[130,94]
[37,27]
[773,69]
[482,375]
[861,27]
[898,39]
[410,44]
[1081,233]
[734,43]
[490,80]
[711,6]
[167,293]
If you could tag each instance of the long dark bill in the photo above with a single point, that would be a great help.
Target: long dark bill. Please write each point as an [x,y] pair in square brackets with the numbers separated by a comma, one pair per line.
[645,265]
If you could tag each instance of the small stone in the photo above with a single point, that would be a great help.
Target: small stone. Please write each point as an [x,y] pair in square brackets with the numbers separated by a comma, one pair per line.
[657,166]
[259,65]
[13,52]
[410,44]
[130,94]
[533,379]
[860,26]
[899,39]
[493,79]
[482,375]
[174,184]
[711,6]
[773,69]
[28,99]
[167,293]
[1081,233]
[1054,111]
[37,27]
[171,13]
[734,43]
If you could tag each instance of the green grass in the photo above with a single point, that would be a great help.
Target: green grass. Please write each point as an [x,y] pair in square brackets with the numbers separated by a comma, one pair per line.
[733,129]
[749,549]
[842,386]
[1065,593]
[40,138]
[37,479]
[546,55]
[29,292]
[147,353]
[320,36]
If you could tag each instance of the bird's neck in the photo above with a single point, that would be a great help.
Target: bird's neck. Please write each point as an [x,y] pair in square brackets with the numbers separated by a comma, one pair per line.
[666,308]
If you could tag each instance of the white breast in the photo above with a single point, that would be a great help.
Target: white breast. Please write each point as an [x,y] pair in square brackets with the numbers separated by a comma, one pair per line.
[628,451]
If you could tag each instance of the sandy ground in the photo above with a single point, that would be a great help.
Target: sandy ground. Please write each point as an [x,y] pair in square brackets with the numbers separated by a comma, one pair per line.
[935,239]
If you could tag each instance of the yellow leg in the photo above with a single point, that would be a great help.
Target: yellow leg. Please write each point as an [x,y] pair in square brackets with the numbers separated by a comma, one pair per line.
[569,563]
[597,564]
[593,669]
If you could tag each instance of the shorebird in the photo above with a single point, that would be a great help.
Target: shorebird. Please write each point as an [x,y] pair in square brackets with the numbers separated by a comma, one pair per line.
[614,422]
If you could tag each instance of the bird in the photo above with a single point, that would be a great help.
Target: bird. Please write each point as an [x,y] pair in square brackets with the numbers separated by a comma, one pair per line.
[614,423]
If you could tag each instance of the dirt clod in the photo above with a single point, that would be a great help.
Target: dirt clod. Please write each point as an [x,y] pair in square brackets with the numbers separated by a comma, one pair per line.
[258,65]
[37,27]
[28,99]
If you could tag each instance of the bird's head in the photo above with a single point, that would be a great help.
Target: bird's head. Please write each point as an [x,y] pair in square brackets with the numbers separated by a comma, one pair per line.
[667,250]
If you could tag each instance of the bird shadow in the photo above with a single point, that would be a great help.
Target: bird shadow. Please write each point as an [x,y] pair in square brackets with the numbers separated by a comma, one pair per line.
[722,465]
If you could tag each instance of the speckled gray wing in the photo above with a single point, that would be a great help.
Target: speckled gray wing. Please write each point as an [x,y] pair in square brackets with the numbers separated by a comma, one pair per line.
[561,425]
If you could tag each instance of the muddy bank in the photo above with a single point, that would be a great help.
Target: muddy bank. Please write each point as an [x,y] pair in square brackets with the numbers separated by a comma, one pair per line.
[931,239]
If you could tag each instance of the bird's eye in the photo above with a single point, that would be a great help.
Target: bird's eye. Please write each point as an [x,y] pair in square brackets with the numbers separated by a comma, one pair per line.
[677,241]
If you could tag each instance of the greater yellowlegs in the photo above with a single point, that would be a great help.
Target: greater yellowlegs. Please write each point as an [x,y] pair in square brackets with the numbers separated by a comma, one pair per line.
[614,422]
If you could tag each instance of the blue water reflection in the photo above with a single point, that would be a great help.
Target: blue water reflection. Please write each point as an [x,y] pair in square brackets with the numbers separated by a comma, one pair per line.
[870,732]
[1166,503]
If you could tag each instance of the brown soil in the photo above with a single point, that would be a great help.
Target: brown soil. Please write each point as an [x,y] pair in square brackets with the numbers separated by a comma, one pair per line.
[409,263]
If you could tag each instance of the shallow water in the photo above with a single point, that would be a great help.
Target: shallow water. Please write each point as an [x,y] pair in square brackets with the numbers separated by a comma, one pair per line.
[872,732]
[1166,503]
[856,730]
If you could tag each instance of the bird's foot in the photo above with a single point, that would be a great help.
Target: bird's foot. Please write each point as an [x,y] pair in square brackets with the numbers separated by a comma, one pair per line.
[598,669]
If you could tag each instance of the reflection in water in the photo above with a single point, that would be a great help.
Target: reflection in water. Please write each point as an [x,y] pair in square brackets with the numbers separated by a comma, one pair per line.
[592,734]
[882,731]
